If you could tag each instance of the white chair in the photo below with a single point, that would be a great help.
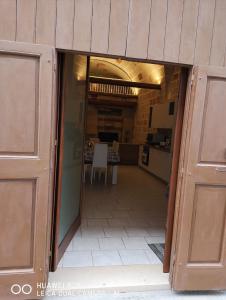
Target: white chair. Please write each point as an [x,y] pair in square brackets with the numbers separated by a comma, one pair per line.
[115,146]
[100,158]
[94,140]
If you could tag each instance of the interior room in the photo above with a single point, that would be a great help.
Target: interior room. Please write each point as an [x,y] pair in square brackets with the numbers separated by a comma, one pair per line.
[116,131]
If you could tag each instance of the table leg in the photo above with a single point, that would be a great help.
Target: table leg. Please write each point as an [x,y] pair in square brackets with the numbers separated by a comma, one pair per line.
[114,174]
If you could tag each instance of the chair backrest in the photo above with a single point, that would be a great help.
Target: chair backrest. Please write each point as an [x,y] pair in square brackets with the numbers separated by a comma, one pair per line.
[100,156]
[115,146]
[95,140]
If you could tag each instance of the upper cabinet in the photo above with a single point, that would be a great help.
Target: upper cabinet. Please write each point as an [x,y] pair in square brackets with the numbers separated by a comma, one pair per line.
[163,115]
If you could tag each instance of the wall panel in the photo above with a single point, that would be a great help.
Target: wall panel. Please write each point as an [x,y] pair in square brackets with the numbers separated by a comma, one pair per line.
[184,31]
[219,40]
[204,32]
[26,16]
[173,30]
[82,25]
[118,26]
[46,22]
[65,24]
[157,29]
[138,28]
[8,20]
[100,26]
[188,31]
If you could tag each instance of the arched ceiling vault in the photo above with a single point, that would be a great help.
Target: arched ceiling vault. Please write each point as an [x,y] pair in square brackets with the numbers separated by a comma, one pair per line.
[126,70]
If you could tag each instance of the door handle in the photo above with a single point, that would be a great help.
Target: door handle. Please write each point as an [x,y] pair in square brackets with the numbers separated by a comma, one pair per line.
[221,169]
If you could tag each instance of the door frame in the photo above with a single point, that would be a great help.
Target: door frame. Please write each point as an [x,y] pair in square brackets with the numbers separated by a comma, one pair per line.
[178,145]
[175,167]
[181,167]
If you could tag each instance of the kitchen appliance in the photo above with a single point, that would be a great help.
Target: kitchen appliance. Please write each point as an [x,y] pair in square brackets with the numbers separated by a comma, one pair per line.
[145,155]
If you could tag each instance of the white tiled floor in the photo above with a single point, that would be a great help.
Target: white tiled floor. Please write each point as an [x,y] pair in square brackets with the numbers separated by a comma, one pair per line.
[118,222]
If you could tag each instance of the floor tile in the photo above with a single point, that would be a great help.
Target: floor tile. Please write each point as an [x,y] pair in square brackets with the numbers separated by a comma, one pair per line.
[69,248]
[97,222]
[152,231]
[135,243]
[111,243]
[85,244]
[118,222]
[78,232]
[136,231]
[120,213]
[88,213]
[102,214]
[155,239]
[134,257]
[152,257]
[157,221]
[114,232]
[106,258]
[60,264]
[133,222]
[77,259]
[92,231]
[84,222]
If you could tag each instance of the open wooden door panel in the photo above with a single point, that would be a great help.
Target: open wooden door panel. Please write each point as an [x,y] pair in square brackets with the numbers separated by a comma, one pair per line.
[200,243]
[26,98]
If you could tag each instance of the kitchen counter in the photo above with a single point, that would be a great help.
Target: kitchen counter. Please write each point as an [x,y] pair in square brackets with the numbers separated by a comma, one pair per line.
[161,148]
[159,163]
[129,153]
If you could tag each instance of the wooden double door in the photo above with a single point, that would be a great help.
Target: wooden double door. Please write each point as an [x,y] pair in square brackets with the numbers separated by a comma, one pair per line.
[27,147]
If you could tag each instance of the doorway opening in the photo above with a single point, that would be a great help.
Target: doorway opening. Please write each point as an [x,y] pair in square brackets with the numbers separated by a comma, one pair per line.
[119,132]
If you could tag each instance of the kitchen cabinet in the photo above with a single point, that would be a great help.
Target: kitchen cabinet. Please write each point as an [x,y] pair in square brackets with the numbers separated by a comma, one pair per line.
[159,163]
[129,153]
[161,117]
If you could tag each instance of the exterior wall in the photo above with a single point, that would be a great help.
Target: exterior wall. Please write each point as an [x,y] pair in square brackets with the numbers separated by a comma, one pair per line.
[180,31]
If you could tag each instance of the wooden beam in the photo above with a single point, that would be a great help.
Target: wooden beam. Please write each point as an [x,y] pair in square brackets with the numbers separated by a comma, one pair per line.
[119,82]
[122,96]
[112,103]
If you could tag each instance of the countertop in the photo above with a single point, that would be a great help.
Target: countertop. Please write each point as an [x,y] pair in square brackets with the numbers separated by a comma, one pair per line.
[160,148]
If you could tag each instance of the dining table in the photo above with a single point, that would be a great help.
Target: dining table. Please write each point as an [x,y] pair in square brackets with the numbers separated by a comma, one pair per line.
[113,160]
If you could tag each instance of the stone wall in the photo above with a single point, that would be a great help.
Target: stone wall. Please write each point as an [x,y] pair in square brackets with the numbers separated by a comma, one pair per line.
[169,92]
[125,131]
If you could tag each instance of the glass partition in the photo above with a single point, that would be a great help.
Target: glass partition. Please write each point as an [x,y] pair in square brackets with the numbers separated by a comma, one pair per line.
[74,93]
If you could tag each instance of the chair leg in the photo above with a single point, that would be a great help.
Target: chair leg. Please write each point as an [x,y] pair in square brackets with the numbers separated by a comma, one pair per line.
[91,177]
[106,173]
[84,174]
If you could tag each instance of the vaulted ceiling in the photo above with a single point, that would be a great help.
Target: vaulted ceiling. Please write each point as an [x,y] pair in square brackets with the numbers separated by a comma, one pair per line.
[126,70]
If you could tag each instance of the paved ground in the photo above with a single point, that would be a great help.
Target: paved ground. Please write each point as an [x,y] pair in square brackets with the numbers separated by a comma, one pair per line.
[155,295]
